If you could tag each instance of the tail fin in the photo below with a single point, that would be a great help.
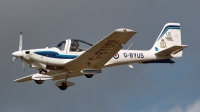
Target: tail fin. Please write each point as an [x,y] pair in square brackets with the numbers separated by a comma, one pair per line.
[169,36]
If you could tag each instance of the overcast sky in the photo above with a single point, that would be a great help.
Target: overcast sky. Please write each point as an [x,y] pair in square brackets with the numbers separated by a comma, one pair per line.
[145,88]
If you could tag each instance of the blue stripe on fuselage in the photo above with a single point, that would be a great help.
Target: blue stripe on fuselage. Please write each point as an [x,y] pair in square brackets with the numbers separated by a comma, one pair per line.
[53,54]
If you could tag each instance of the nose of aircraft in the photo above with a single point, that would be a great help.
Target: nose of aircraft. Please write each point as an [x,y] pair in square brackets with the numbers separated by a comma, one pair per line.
[17,53]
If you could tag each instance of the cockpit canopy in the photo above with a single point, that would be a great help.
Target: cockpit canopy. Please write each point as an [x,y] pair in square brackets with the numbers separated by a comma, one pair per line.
[60,45]
[79,45]
[75,45]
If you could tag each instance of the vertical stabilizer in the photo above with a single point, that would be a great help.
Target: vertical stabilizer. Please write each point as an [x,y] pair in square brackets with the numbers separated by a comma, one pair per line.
[168,37]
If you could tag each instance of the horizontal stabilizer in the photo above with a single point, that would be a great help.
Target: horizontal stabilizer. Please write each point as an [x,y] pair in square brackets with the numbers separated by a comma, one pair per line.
[172,50]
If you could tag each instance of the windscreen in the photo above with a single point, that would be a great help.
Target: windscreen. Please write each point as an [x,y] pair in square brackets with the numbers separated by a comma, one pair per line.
[60,45]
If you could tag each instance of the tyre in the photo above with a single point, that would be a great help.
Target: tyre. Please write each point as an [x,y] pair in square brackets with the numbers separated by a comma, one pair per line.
[89,75]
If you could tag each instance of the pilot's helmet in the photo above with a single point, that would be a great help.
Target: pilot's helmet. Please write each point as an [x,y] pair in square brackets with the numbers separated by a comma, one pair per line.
[75,43]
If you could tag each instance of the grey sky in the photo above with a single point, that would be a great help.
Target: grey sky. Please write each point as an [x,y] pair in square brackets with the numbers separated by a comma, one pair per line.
[149,87]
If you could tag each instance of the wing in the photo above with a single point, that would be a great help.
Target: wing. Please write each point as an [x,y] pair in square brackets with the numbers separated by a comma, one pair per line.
[24,79]
[102,51]
[57,75]
[64,75]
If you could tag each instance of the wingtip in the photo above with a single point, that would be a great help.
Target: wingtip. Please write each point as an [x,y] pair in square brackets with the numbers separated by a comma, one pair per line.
[124,30]
[15,80]
[21,33]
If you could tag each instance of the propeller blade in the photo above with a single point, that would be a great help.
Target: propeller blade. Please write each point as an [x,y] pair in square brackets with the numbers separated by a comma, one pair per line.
[20,41]
[13,59]
[22,64]
[19,53]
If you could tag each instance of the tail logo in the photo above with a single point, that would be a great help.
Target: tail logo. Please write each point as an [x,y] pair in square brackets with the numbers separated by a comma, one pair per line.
[156,49]
[162,43]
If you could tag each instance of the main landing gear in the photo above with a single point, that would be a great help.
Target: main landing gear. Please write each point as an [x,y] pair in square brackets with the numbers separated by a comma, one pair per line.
[39,81]
[63,86]
[41,71]
[89,75]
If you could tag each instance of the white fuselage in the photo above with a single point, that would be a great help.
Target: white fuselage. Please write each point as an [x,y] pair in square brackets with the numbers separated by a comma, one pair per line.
[133,56]
[54,57]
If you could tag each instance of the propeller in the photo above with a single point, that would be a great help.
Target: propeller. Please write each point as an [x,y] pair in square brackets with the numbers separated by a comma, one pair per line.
[20,42]
[19,54]
[13,59]
[23,67]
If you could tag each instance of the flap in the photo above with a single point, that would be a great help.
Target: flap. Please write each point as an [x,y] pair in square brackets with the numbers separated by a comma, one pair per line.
[64,74]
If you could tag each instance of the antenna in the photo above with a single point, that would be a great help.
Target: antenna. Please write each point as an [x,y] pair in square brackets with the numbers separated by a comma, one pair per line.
[129,47]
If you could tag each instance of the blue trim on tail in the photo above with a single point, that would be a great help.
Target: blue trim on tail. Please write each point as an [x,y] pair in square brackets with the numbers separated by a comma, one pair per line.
[167,28]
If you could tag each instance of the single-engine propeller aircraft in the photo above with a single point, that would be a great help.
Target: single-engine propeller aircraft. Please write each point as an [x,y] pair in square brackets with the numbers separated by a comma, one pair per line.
[73,57]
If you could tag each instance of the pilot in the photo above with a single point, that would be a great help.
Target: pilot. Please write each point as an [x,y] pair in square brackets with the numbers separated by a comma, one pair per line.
[74,46]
